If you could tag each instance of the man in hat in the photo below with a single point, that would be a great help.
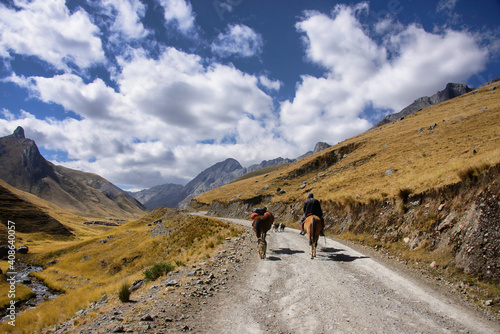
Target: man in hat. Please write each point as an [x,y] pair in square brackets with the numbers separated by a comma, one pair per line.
[311,207]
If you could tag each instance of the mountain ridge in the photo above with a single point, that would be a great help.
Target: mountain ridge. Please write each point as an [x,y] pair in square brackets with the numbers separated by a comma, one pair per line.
[451,90]
[81,193]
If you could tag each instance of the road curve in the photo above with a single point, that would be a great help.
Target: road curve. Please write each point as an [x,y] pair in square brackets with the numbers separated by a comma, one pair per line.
[340,291]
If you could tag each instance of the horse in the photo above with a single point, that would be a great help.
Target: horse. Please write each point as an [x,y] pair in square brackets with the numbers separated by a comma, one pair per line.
[313,226]
[282,227]
[262,224]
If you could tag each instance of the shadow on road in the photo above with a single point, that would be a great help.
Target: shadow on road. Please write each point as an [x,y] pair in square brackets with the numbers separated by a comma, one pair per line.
[330,250]
[339,257]
[344,257]
[286,251]
[273,258]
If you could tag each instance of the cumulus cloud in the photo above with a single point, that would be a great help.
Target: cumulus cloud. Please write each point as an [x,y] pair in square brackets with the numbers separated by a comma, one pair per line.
[238,40]
[270,84]
[126,16]
[181,12]
[163,114]
[47,30]
[361,72]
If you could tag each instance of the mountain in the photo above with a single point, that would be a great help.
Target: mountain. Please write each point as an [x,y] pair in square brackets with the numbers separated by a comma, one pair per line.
[451,91]
[85,194]
[175,195]
[28,218]
[167,195]
[320,146]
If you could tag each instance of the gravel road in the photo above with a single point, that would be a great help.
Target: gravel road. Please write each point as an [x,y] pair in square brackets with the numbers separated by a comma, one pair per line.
[340,291]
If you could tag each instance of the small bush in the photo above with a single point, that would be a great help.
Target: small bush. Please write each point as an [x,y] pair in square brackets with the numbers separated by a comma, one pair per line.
[157,270]
[124,292]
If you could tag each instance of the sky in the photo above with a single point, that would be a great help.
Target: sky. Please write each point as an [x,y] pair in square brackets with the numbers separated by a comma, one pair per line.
[145,93]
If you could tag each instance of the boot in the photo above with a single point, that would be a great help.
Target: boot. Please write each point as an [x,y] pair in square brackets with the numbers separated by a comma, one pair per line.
[302,232]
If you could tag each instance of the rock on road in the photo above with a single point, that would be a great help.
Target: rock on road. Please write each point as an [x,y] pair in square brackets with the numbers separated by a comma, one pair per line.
[340,291]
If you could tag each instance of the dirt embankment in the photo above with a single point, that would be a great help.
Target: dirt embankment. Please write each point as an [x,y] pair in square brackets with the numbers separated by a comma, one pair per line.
[454,229]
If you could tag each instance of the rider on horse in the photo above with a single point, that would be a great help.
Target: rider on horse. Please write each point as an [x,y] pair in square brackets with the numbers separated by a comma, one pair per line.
[311,207]
[258,212]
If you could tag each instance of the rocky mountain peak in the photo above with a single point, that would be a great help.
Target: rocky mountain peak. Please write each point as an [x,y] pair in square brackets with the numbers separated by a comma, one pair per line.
[320,146]
[18,133]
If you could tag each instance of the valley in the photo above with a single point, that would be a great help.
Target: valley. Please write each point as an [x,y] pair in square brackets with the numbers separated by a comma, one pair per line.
[412,220]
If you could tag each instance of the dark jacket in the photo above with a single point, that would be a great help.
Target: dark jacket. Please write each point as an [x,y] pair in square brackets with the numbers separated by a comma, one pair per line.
[312,206]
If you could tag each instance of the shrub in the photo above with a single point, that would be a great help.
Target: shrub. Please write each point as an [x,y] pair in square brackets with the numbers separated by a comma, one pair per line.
[157,270]
[124,292]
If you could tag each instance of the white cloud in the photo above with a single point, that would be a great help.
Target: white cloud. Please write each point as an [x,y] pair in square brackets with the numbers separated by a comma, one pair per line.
[238,40]
[447,8]
[361,72]
[47,30]
[127,20]
[270,84]
[446,5]
[181,12]
[157,118]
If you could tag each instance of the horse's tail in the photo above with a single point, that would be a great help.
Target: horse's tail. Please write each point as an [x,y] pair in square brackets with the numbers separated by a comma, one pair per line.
[258,227]
[313,230]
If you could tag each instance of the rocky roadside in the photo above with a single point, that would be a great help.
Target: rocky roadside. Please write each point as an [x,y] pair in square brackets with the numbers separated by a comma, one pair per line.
[166,305]
[171,304]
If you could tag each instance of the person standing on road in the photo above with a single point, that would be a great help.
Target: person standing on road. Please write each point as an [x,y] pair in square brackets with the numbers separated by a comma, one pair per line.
[311,207]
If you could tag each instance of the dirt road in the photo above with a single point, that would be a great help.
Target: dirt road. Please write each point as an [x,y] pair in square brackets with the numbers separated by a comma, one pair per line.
[340,291]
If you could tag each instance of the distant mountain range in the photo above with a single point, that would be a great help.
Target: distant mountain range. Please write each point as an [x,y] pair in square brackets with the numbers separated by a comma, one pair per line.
[84,194]
[178,196]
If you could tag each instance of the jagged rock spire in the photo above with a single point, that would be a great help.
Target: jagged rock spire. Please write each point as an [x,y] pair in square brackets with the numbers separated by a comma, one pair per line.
[19,133]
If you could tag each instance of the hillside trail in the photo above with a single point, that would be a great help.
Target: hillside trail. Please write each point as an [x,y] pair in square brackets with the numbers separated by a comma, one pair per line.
[340,291]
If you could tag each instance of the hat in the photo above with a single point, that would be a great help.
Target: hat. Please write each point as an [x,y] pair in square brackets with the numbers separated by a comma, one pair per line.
[310,195]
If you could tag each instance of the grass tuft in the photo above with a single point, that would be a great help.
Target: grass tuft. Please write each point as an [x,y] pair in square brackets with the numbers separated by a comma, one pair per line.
[472,173]
[124,292]
[157,270]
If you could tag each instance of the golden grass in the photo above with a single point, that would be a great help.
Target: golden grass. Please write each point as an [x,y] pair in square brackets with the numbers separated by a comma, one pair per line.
[466,136]
[21,293]
[90,268]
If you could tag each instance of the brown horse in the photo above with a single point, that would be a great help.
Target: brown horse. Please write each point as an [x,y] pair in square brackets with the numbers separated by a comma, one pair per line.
[262,224]
[313,226]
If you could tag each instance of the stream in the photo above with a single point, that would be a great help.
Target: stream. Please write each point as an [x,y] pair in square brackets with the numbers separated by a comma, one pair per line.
[41,291]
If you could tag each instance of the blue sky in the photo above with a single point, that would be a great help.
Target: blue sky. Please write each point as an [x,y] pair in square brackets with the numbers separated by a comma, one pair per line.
[152,92]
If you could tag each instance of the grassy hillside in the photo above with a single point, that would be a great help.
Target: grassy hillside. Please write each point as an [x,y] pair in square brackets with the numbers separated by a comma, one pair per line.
[44,208]
[423,151]
[92,267]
